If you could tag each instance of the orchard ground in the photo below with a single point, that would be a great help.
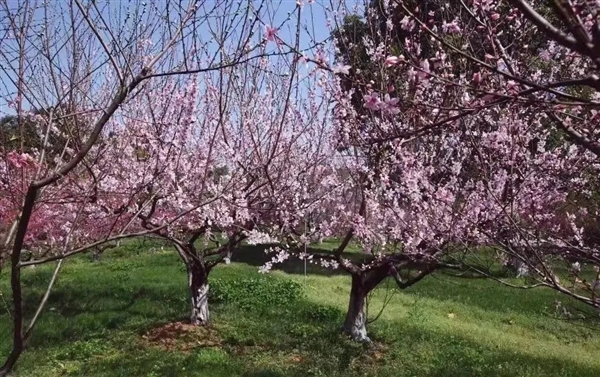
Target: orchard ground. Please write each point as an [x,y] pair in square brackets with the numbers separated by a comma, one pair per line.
[118,317]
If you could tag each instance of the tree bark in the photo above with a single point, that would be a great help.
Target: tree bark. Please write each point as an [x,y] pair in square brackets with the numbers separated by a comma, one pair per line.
[355,324]
[199,288]
[10,361]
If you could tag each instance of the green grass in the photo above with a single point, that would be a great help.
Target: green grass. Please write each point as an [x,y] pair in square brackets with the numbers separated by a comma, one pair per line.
[98,313]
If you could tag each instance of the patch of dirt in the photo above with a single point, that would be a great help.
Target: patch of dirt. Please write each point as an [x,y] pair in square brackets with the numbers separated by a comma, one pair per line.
[376,352]
[182,336]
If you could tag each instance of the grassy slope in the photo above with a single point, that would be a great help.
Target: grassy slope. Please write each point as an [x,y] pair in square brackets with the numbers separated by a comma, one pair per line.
[98,312]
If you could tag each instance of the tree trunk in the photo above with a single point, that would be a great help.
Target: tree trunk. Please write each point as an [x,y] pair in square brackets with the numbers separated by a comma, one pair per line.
[10,362]
[198,284]
[355,324]
[516,267]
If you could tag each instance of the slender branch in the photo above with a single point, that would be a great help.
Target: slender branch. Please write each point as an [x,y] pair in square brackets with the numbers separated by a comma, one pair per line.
[92,245]
[101,41]
[591,145]
[393,272]
[42,304]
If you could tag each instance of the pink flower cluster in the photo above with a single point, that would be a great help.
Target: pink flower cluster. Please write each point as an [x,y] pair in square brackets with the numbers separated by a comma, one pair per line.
[20,160]
[388,105]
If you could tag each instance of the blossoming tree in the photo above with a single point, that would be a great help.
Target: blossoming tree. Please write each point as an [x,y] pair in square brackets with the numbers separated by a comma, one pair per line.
[538,61]
[78,64]
[216,160]
[435,156]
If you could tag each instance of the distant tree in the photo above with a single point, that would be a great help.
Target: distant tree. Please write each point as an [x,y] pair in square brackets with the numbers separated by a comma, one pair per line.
[65,135]
[10,135]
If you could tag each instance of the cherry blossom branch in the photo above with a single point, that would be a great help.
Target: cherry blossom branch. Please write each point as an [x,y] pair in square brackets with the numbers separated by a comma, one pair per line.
[592,146]
[552,32]
[487,66]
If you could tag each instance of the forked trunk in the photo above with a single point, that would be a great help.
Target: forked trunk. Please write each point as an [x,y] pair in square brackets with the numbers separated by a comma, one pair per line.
[198,284]
[355,324]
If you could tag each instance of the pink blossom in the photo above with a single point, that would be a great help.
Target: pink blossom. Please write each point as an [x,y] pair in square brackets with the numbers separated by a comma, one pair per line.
[545,55]
[19,160]
[265,268]
[407,24]
[372,101]
[488,97]
[512,87]
[389,105]
[424,72]
[256,237]
[451,27]
[271,34]
[391,60]
[476,78]
[320,57]
[495,16]
[341,69]
[501,65]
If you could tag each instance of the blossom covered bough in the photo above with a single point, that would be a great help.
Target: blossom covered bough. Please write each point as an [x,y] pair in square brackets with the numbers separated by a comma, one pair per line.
[533,65]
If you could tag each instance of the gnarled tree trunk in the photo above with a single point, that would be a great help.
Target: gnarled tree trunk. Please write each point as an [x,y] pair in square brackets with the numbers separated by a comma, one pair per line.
[363,282]
[355,324]
[199,288]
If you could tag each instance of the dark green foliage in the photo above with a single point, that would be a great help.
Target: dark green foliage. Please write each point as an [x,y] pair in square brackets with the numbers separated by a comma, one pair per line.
[27,134]
[259,293]
[324,313]
[11,137]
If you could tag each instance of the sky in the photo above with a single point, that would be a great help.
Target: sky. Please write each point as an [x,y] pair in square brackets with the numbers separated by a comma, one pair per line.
[280,14]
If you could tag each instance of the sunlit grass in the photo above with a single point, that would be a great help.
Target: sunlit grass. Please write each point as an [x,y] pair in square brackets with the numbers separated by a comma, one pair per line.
[443,326]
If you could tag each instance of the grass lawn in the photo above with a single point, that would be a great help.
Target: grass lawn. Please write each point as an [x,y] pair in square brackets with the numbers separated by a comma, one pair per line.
[102,320]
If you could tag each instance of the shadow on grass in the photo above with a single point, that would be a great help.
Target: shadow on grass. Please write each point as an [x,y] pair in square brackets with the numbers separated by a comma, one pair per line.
[490,295]
[94,324]
[294,341]
[441,285]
